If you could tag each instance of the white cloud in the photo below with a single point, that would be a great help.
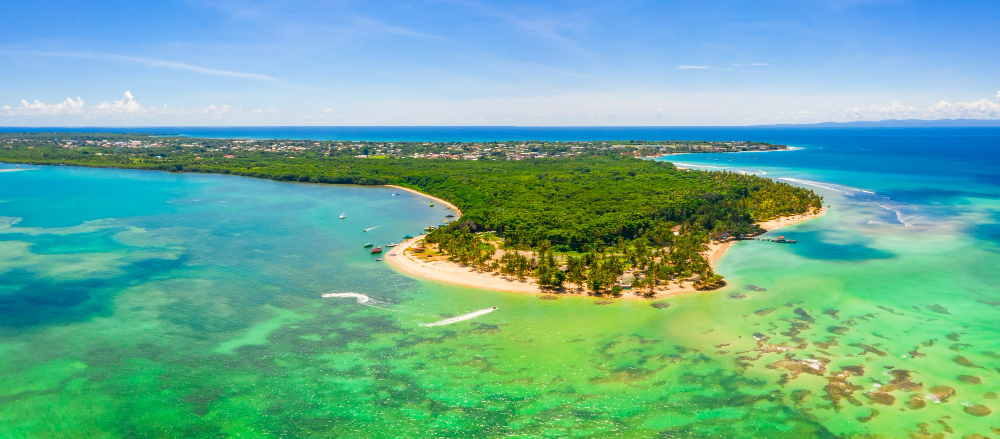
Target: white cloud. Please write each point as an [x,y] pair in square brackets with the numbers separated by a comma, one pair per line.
[221,109]
[125,108]
[895,110]
[127,104]
[687,67]
[618,107]
[760,64]
[981,109]
[69,106]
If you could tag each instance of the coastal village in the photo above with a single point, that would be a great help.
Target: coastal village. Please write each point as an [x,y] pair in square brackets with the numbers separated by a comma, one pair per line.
[161,145]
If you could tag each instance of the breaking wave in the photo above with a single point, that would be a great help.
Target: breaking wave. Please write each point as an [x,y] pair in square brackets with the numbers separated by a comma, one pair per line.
[692,165]
[904,213]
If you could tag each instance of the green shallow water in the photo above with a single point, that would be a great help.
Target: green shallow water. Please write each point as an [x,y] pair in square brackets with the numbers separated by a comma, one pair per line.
[159,305]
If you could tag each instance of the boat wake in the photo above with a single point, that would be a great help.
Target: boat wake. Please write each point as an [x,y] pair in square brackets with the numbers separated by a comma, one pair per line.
[462,317]
[364,299]
[361,299]
[371,228]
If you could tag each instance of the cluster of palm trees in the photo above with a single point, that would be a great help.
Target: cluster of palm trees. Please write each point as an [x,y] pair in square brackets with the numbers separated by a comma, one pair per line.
[599,270]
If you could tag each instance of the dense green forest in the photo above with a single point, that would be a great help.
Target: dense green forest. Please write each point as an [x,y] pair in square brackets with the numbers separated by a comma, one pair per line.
[612,214]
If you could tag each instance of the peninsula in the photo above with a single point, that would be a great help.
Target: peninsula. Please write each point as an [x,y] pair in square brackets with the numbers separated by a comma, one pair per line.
[573,217]
[413,257]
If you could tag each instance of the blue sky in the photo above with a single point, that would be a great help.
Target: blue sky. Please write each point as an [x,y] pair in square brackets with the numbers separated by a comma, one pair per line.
[469,62]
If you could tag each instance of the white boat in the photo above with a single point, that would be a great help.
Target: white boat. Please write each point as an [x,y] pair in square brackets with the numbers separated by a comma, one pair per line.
[342,216]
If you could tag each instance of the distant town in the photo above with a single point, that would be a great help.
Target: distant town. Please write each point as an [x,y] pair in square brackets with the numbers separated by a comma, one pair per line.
[160,146]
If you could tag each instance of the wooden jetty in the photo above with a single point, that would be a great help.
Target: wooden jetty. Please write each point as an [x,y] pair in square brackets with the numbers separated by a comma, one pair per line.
[780,240]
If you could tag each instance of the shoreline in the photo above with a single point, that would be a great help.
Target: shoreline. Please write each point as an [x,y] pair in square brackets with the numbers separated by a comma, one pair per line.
[445,271]
[668,154]
[458,213]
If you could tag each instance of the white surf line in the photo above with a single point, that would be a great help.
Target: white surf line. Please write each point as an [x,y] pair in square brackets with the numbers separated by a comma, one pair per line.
[816,184]
[822,185]
[462,317]
[899,215]
[869,195]
[692,165]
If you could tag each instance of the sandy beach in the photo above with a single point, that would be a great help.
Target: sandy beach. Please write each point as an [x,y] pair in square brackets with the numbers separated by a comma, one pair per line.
[439,268]
[458,213]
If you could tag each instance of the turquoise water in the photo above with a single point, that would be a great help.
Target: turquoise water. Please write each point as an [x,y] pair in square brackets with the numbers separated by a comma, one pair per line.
[147,304]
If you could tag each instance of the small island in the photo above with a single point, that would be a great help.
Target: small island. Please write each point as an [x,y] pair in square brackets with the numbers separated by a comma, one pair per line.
[557,217]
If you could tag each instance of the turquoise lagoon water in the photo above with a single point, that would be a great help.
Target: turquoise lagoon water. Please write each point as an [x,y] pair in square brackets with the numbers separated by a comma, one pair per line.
[148,304]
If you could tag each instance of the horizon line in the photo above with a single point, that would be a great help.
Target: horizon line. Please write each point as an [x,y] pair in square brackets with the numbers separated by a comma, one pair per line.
[883,121]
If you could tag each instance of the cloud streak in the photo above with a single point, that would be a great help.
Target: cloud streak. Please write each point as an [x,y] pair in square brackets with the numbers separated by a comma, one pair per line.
[689,67]
[150,62]
[546,28]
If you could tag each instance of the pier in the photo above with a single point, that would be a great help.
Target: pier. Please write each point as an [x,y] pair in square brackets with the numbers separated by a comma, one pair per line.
[780,240]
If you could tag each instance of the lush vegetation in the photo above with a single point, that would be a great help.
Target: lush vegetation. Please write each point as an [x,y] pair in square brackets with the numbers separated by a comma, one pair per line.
[586,220]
